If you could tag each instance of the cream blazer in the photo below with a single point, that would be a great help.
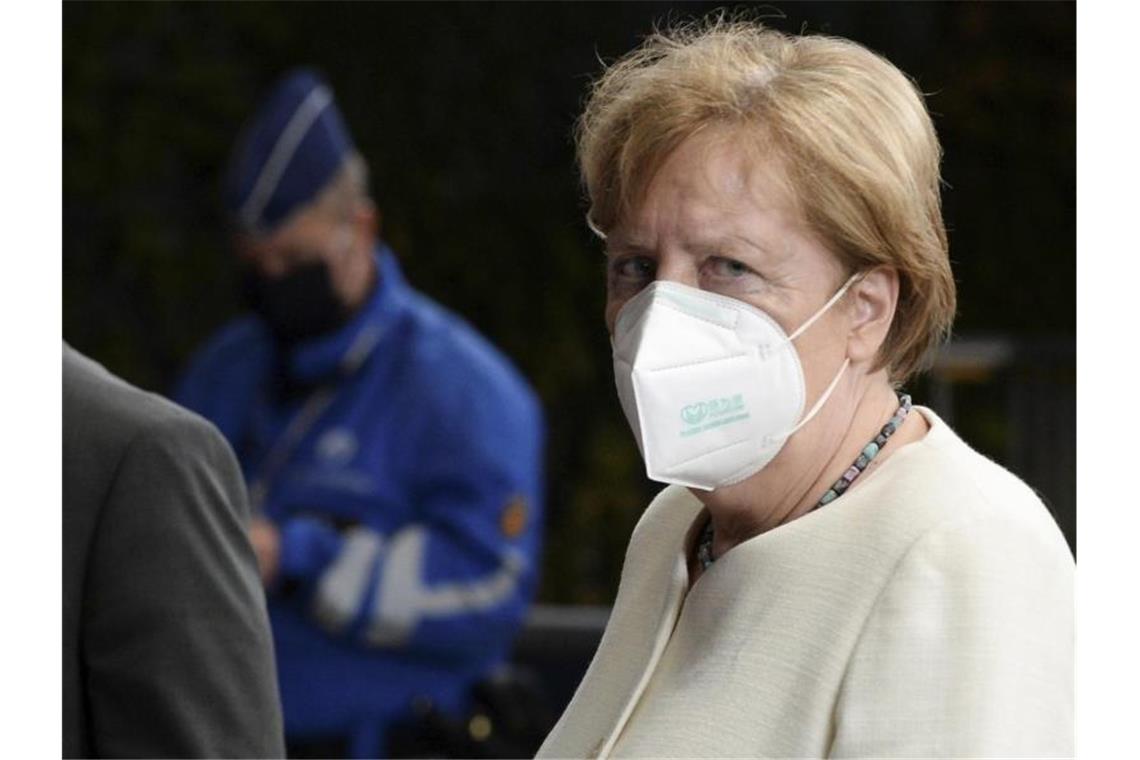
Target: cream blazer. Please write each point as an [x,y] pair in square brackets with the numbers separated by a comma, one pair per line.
[926,613]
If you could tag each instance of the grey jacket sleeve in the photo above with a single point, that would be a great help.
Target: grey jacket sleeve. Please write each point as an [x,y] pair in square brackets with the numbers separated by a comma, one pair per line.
[176,641]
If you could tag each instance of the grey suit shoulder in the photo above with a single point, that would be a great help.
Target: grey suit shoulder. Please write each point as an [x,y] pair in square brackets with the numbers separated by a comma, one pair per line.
[166,644]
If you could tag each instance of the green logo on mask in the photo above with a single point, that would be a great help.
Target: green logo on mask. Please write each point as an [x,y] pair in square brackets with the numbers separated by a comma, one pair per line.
[714,413]
[694,414]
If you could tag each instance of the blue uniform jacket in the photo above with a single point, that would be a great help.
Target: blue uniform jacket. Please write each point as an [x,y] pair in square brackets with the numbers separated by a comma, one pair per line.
[401,458]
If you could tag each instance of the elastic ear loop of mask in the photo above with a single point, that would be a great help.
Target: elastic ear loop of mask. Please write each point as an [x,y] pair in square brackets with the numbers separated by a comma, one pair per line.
[846,361]
[823,309]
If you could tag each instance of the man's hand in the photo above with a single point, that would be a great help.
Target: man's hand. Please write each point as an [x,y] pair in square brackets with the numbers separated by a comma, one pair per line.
[266,540]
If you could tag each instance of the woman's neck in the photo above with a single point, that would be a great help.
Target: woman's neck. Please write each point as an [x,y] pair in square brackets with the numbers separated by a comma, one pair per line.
[810,462]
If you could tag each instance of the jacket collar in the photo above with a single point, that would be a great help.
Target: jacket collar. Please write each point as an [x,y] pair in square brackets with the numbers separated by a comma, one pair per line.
[654,582]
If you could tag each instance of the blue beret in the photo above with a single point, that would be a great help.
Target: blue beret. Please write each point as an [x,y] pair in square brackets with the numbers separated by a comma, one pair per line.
[287,153]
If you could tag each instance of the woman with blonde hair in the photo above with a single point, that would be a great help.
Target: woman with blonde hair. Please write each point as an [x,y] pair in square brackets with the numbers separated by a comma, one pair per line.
[831,571]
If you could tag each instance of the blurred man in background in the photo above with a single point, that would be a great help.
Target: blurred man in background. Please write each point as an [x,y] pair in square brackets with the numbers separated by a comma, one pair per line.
[393,456]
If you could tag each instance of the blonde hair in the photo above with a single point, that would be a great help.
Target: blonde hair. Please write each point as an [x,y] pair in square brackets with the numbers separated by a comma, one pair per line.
[852,131]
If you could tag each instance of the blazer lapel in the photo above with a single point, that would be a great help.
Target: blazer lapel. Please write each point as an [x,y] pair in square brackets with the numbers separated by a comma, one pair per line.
[653,586]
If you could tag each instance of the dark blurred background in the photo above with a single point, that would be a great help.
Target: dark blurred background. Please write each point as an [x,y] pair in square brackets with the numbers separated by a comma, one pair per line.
[464,112]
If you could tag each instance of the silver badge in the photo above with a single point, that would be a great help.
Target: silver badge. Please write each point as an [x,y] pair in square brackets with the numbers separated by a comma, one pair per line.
[337,446]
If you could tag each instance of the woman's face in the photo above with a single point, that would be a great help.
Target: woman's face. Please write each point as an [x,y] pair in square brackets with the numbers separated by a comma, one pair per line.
[722,219]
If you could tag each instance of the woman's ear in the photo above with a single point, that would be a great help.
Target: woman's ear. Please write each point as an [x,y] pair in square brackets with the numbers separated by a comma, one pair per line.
[872,301]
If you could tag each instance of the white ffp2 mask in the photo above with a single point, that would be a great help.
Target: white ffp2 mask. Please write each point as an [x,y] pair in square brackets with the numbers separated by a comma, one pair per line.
[711,386]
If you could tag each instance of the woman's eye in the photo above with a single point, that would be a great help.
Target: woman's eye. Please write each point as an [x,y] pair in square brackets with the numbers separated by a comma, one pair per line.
[632,268]
[727,268]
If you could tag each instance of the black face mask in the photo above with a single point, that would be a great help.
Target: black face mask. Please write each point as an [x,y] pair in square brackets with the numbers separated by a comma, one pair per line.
[297,306]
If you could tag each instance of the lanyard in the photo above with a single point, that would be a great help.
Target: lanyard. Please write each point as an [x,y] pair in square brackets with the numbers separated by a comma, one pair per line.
[303,422]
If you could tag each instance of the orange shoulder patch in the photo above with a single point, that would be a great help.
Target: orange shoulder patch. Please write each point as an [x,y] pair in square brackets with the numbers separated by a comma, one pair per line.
[514,518]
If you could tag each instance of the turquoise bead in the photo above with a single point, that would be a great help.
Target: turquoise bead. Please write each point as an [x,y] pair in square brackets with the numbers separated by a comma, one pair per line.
[869,452]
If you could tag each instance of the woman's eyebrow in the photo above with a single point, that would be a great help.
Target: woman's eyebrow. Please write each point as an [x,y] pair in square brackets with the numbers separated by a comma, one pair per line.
[775,250]
[728,244]
[617,244]
[753,241]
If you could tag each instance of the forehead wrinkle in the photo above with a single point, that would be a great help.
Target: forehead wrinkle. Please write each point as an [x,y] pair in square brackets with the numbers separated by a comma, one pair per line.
[737,182]
[715,188]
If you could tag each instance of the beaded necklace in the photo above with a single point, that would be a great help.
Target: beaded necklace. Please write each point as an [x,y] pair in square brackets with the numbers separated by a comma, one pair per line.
[869,452]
